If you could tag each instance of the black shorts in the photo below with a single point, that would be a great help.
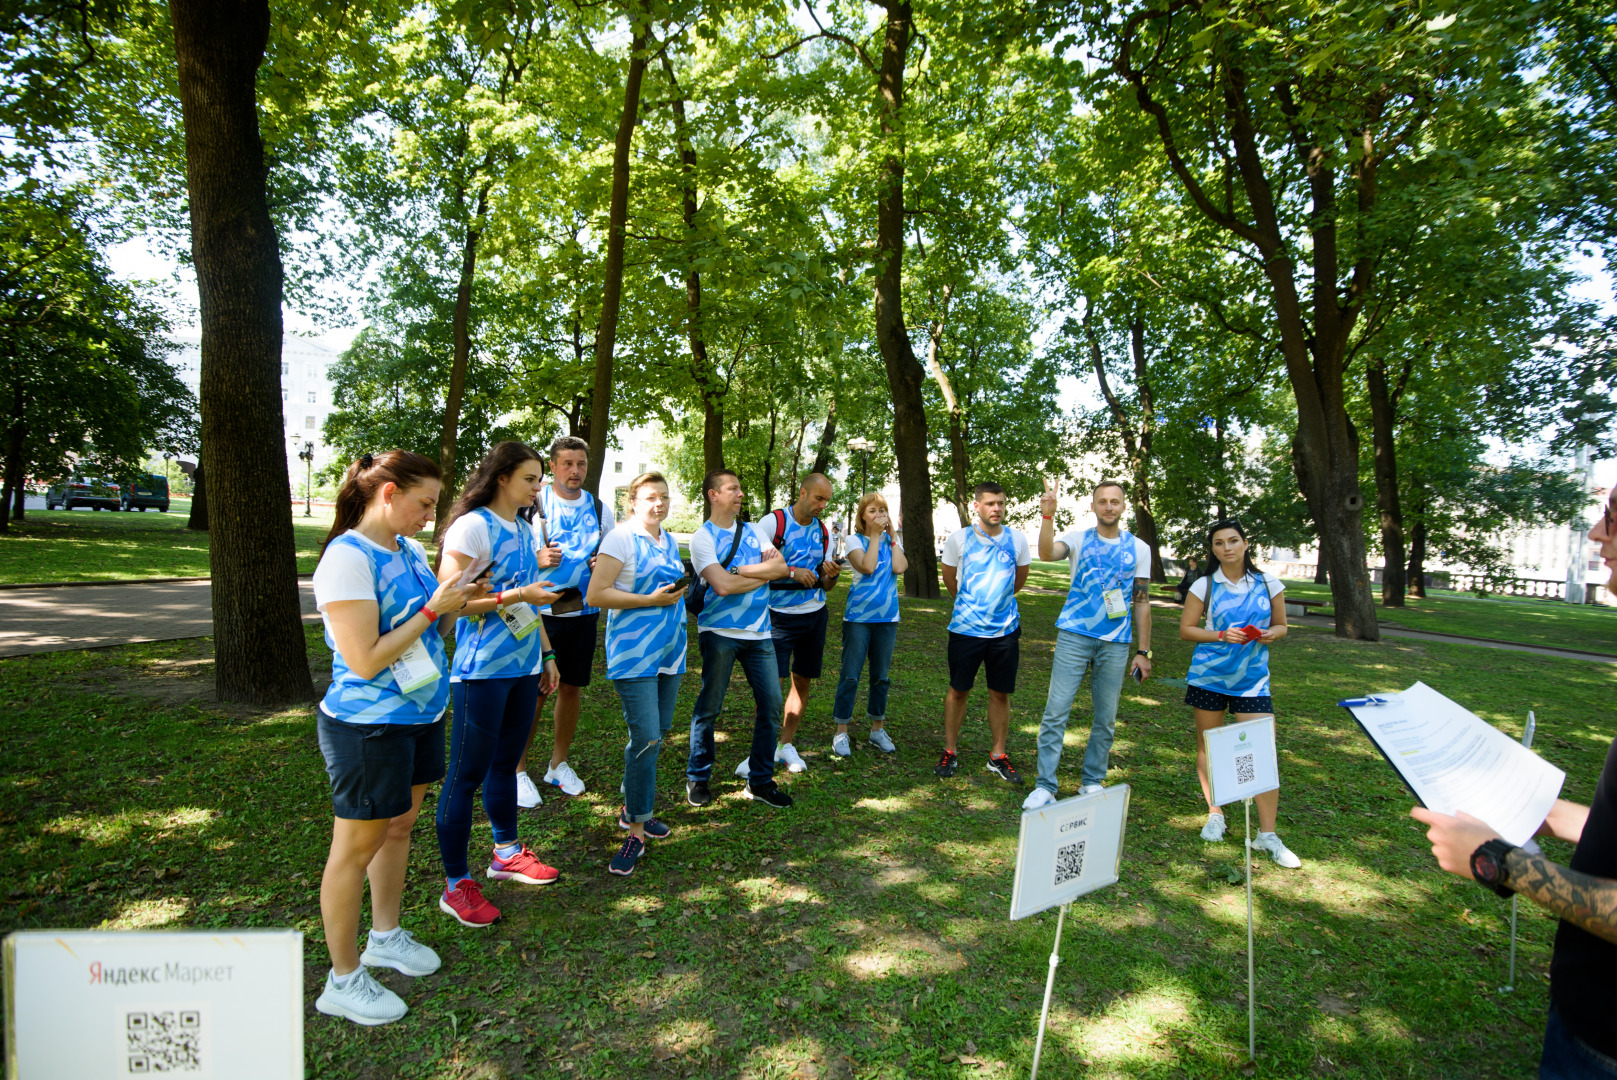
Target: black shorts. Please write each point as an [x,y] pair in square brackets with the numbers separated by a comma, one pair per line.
[574,639]
[999,658]
[1213,701]
[799,642]
[373,766]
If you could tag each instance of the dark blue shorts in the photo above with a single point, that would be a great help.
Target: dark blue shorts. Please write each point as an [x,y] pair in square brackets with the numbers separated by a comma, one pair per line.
[1213,701]
[373,766]
[799,642]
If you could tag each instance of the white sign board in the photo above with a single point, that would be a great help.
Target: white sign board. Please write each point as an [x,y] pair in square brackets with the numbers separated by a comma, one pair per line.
[225,1005]
[1241,760]
[1068,849]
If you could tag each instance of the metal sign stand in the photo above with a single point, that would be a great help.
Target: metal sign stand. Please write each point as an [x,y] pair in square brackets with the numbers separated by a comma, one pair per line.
[1251,981]
[1049,987]
[1510,984]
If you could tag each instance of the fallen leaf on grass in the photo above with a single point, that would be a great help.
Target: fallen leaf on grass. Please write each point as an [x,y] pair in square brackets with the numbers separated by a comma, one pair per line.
[648,955]
[576,1047]
[662,1053]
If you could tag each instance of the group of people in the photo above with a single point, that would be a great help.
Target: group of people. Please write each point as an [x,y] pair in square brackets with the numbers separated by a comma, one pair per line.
[526,567]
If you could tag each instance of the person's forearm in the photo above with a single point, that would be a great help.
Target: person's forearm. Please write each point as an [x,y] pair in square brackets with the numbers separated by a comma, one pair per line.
[1047,540]
[1581,899]
[622,600]
[1142,615]
[1565,821]
[737,583]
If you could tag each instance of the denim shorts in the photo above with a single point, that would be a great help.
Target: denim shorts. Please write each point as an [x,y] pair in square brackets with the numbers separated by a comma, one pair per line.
[373,766]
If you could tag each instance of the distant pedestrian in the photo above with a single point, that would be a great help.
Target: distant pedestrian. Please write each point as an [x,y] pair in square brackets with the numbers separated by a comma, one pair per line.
[869,622]
[1193,570]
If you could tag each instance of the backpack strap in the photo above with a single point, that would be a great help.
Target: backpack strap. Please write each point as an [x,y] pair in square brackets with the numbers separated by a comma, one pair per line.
[780,526]
[735,544]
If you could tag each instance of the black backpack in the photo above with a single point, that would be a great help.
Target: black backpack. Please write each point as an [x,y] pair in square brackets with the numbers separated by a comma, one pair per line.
[696,599]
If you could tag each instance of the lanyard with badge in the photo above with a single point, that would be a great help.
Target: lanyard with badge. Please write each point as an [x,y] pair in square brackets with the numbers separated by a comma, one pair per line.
[520,618]
[1114,601]
[415,668]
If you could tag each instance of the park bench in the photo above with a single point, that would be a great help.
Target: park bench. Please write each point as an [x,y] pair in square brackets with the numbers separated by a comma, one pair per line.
[1301,607]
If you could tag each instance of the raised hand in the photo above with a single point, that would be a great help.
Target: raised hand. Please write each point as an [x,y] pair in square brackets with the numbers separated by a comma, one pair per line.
[1052,492]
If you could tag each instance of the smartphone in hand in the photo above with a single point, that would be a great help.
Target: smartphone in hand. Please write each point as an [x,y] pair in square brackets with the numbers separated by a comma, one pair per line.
[1139,675]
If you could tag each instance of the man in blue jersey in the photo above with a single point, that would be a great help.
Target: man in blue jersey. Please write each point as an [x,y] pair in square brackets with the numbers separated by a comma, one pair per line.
[797,612]
[737,561]
[568,526]
[1109,596]
[984,567]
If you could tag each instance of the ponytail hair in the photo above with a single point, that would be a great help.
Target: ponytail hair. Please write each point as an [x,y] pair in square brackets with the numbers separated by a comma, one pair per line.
[365,478]
[484,483]
[1212,560]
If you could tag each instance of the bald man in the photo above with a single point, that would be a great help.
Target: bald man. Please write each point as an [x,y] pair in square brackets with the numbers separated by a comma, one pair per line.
[797,613]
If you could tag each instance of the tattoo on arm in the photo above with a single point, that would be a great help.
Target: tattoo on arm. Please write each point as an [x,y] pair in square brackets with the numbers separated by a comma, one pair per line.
[1581,899]
[1142,590]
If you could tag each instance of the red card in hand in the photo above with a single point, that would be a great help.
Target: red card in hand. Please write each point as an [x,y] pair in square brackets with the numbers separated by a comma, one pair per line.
[1252,633]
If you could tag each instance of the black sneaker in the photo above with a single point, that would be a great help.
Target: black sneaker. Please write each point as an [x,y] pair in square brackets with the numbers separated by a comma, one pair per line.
[1002,767]
[628,856]
[655,830]
[769,794]
[947,764]
[697,793]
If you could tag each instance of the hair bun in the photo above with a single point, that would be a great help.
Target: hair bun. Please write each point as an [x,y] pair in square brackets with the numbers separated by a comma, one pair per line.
[366,461]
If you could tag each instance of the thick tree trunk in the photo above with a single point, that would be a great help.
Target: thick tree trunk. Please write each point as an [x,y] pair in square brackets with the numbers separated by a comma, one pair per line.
[1415,581]
[259,648]
[11,499]
[460,332]
[197,520]
[828,440]
[959,465]
[1136,445]
[599,422]
[1383,422]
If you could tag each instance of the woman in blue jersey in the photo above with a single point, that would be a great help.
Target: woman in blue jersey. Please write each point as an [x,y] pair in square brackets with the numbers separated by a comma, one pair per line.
[1229,669]
[380,724]
[501,657]
[639,581]
[869,622]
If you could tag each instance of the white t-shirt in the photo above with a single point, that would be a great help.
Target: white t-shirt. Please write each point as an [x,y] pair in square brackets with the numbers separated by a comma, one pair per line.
[951,546]
[704,554]
[1198,588]
[344,573]
[619,544]
[469,535]
[1142,551]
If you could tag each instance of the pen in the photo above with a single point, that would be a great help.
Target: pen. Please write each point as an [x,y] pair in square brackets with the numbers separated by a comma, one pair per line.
[1371,699]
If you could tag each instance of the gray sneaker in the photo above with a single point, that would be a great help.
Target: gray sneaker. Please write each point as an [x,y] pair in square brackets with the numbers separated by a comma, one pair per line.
[840,745]
[363,1000]
[403,953]
[879,739]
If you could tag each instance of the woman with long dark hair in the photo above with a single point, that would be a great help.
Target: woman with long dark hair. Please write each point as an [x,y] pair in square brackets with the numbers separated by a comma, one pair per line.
[869,622]
[1229,669]
[380,724]
[500,652]
[639,579]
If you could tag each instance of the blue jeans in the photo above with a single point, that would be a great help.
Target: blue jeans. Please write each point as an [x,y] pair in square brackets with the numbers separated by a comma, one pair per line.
[648,709]
[719,655]
[1567,1057]
[1075,653]
[861,639]
[492,721]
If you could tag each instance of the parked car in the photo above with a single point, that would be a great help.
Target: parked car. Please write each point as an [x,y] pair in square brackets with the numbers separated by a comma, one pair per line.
[95,492]
[145,491]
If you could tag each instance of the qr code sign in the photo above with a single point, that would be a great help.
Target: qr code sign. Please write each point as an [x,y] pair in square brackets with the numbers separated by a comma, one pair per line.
[1245,771]
[1069,862]
[163,1041]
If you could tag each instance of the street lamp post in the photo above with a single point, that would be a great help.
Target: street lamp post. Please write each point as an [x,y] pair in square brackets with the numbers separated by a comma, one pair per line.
[307,454]
[862,447]
[168,456]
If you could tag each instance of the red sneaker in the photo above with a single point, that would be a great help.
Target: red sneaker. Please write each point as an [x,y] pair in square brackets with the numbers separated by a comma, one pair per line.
[524,866]
[465,904]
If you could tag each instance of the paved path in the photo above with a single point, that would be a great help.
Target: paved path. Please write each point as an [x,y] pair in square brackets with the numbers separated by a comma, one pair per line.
[1422,635]
[91,616]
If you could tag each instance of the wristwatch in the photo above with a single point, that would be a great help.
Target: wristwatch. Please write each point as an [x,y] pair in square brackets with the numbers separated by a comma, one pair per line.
[1143,652]
[1488,866]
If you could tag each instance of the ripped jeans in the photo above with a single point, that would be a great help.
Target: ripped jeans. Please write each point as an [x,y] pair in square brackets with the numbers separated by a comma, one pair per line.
[648,709]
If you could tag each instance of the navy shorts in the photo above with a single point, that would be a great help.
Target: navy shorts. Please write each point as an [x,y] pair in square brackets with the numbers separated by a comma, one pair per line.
[999,657]
[799,641]
[1213,701]
[574,638]
[373,766]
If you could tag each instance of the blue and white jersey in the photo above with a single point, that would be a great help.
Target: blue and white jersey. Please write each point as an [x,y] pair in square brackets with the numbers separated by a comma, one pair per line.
[985,601]
[873,598]
[741,615]
[642,642]
[1236,670]
[400,582]
[574,527]
[485,648]
[1100,566]
[804,548]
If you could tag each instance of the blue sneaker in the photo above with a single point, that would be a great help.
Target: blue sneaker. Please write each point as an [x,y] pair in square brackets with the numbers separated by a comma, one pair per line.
[655,830]
[628,856]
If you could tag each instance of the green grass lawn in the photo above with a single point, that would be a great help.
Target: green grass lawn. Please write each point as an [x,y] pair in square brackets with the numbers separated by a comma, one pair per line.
[863,933]
[1531,622]
[91,545]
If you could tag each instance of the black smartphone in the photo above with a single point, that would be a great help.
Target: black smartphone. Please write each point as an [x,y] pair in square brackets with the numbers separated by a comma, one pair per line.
[1139,675]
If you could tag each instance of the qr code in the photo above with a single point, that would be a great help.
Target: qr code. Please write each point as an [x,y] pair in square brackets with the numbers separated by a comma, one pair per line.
[1245,771]
[1069,862]
[163,1041]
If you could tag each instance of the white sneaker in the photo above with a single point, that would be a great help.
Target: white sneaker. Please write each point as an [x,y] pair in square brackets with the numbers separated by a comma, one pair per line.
[1037,798]
[882,741]
[527,792]
[840,745]
[744,768]
[363,1000]
[1213,831]
[401,952]
[1090,789]
[788,753]
[1278,851]
[563,776]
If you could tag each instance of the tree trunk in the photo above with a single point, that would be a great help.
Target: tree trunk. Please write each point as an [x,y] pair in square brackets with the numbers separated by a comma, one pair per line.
[13,495]
[1416,579]
[1137,446]
[904,373]
[828,440]
[1321,573]
[197,521]
[599,422]
[259,647]
[1221,509]
[1383,421]
[460,330]
[958,463]
[769,455]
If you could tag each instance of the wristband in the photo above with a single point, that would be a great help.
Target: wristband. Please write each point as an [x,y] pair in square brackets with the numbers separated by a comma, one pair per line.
[543,657]
[432,616]
[1048,517]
